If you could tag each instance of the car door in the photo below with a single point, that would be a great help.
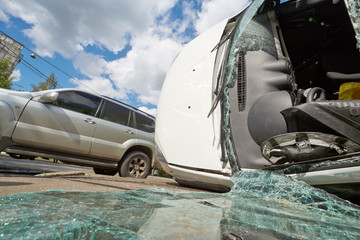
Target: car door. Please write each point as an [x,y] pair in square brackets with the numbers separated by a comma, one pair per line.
[115,131]
[66,125]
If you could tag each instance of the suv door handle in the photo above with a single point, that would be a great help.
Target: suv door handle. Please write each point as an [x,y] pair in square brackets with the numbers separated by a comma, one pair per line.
[89,120]
[129,131]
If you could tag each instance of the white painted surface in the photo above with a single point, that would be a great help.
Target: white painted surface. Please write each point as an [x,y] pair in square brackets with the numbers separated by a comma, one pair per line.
[184,133]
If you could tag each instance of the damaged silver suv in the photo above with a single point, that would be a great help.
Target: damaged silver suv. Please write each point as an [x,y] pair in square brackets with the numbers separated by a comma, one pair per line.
[77,127]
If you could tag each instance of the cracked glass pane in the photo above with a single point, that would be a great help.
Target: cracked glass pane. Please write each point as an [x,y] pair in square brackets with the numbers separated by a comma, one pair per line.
[261,205]
[354,13]
[257,36]
[230,79]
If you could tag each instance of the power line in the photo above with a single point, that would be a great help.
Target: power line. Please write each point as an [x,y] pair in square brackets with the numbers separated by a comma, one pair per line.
[73,78]
[13,54]
[32,68]
[20,86]
[37,55]
[26,64]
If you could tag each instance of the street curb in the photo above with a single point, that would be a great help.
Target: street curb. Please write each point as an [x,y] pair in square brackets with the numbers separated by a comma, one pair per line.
[61,174]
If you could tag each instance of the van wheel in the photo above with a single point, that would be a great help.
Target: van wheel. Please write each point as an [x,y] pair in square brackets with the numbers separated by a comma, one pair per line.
[105,171]
[136,164]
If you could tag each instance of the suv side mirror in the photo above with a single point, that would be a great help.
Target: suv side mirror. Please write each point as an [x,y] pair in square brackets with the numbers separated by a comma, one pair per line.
[49,97]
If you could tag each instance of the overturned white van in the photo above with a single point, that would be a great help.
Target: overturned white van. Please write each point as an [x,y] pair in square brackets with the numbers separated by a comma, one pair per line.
[273,88]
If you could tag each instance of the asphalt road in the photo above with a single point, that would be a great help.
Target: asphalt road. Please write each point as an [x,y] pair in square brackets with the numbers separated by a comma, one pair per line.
[21,176]
[25,166]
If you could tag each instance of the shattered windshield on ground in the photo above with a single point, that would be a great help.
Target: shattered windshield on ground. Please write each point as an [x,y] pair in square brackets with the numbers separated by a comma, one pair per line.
[261,205]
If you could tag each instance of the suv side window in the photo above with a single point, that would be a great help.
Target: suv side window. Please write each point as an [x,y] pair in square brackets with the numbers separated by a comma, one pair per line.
[116,113]
[78,102]
[144,123]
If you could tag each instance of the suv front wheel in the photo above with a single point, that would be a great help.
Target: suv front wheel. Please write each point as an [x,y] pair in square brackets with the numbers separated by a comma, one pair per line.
[136,164]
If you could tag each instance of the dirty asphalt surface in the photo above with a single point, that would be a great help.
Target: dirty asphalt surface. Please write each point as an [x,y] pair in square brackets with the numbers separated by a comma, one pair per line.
[20,176]
[26,166]
[18,183]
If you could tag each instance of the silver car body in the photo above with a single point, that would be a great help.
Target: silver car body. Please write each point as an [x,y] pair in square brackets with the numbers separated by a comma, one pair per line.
[31,127]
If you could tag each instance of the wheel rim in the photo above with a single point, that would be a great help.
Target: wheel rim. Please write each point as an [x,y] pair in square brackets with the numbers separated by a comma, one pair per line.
[137,167]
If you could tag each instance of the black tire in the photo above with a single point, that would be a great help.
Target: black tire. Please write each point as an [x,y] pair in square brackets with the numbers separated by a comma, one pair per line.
[105,171]
[136,164]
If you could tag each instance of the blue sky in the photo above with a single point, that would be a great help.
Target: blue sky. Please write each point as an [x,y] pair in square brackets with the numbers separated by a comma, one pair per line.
[118,48]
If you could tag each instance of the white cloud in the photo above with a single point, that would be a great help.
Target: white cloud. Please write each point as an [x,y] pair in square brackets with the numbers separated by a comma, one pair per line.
[101,86]
[68,27]
[89,64]
[215,11]
[16,75]
[141,71]
[177,28]
[154,35]
[144,68]
[151,111]
[3,17]
[60,26]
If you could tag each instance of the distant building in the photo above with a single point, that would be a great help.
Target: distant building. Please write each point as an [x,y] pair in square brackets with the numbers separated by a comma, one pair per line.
[9,48]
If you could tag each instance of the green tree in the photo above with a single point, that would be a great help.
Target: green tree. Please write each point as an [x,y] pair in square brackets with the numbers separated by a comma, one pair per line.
[50,83]
[5,80]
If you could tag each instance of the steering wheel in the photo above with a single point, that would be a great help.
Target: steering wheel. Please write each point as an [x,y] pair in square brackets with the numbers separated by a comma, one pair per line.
[316,94]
